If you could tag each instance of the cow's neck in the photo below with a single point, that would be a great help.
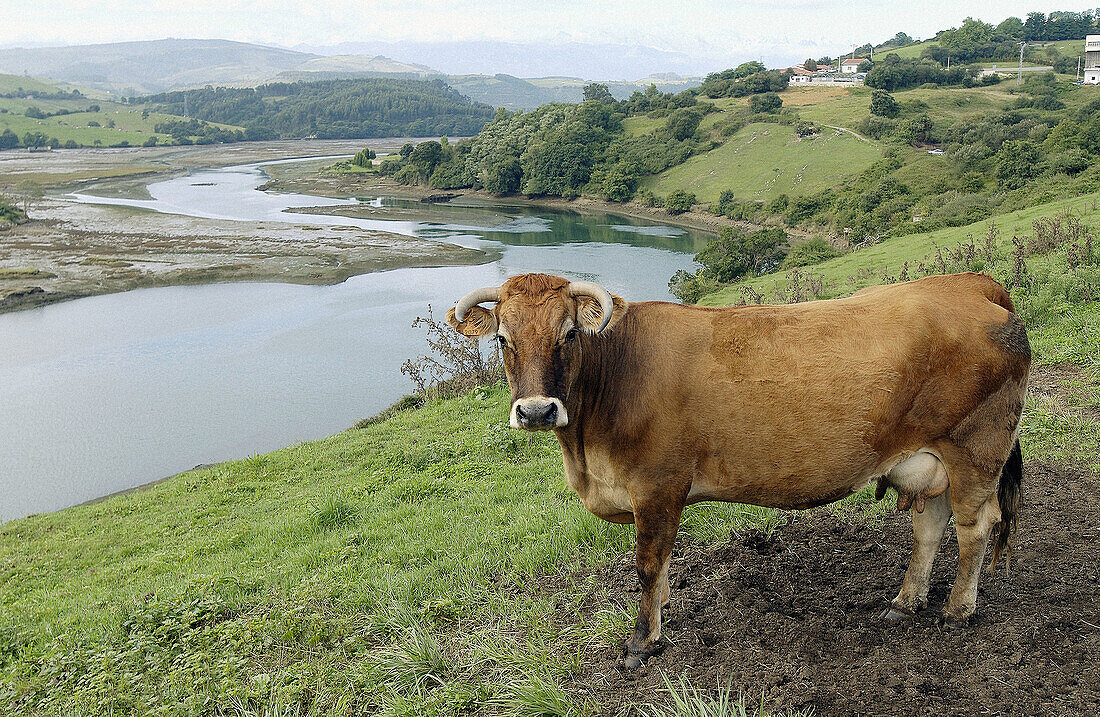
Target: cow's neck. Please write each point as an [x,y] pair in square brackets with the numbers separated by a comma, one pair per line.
[597,397]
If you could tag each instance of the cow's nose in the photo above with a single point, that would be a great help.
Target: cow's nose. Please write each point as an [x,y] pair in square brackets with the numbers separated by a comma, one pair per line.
[542,414]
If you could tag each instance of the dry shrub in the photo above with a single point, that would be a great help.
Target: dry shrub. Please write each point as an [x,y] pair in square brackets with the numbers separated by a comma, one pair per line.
[455,364]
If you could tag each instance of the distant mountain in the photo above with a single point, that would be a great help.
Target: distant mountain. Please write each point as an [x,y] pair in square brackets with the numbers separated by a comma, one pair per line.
[488,72]
[570,59]
[129,68]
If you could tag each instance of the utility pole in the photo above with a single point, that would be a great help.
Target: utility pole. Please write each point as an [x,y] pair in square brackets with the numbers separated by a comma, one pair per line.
[1078,68]
[1020,73]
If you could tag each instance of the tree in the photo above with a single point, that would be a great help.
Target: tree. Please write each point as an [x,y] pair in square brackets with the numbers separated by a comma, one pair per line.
[1017,161]
[679,202]
[900,40]
[765,103]
[8,139]
[748,68]
[883,104]
[864,66]
[810,64]
[425,156]
[1035,26]
[363,157]
[505,177]
[597,92]
[35,139]
[735,253]
[1011,26]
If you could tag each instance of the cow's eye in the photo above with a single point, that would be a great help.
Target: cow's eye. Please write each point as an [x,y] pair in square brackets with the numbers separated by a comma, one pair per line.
[569,336]
[502,341]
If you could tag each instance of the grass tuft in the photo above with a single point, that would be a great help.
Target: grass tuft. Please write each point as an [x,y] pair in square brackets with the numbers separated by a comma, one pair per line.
[534,696]
[334,513]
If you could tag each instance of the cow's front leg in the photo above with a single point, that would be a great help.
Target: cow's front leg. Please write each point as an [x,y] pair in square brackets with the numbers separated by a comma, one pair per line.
[657,521]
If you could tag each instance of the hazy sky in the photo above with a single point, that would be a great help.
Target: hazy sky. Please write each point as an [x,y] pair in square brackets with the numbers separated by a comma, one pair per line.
[795,28]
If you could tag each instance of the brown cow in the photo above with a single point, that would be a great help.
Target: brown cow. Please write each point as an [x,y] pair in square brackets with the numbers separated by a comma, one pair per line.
[657,406]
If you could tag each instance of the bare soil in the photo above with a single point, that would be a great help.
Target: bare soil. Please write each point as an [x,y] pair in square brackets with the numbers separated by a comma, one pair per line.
[794,617]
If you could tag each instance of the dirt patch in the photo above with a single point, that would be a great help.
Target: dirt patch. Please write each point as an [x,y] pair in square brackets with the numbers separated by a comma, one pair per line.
[795,617]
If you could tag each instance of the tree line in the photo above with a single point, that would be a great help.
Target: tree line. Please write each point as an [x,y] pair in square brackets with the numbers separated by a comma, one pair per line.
[331,109]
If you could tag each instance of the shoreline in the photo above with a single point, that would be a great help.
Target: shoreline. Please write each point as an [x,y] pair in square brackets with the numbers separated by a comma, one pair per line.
[71,250]
[344,185]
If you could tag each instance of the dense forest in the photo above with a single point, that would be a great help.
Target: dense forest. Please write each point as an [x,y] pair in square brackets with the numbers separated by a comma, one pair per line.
[330,109]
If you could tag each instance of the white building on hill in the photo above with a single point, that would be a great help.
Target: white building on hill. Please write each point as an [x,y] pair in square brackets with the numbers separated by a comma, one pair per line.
[849,67]
[1092,60]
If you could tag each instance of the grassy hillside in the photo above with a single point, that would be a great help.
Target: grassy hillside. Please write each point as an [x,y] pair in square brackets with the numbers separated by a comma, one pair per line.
[18,83]
[763,160]
[399,568]
[384,568]
[942,104]
[130,125]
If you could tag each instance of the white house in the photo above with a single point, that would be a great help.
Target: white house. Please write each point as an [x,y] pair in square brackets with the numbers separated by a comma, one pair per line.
[1092,60]
[849,67]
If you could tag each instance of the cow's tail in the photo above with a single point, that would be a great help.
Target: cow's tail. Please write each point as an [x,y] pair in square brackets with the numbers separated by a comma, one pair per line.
[1008,496]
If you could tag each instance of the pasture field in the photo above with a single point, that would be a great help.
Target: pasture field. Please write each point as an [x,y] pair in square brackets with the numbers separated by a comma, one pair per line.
[432,562]
[15,83]
[130,123]
[763,160]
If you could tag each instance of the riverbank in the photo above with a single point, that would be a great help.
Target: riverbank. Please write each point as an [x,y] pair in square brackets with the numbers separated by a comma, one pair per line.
[68,250]
[72,250]
[301,180]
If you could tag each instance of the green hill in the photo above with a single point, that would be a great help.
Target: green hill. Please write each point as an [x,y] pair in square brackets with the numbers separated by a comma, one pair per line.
[764,160]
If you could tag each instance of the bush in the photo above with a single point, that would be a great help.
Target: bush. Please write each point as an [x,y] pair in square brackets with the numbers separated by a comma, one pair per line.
[679,202]
[735,253]
[804,129]
[765,103]
[883,104]
[811,251]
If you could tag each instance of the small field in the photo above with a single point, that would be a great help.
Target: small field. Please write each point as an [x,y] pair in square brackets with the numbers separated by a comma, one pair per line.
[950,103]
[764,160]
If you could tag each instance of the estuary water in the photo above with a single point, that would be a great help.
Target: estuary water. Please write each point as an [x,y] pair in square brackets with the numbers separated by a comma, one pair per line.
[110,392]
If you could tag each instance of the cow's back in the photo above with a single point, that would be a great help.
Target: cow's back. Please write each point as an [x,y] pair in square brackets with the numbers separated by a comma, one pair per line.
[800,404]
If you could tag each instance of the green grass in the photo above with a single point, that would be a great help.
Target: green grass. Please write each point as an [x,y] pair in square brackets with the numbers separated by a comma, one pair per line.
[641,124]
[13,83]
[129,127]
[865,267]
[337,561]
[763,160]
[943,104]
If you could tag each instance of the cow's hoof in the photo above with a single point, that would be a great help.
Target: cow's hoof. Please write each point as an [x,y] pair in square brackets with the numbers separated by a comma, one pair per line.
[957,618]
[634,662]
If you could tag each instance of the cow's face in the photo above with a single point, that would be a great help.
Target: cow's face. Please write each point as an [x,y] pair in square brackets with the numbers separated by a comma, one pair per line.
[540,323]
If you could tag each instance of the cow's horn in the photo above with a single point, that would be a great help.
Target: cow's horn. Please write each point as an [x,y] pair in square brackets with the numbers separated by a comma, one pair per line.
[589,288]
[475,297]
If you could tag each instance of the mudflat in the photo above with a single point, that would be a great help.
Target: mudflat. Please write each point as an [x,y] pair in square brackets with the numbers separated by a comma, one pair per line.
[69,250]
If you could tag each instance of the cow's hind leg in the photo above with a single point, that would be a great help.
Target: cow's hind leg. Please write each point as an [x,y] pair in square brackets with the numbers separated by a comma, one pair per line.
[974,504]
[972,527]
[657,522]
[928,529]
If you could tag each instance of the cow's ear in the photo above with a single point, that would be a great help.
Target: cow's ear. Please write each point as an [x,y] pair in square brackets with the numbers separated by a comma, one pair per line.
[478,322]
[589,314]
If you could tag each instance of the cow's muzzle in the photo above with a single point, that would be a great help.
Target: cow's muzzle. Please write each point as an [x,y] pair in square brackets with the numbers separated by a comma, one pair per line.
[538,413]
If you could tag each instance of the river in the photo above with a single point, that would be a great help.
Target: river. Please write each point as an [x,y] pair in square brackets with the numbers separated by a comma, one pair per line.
[110,392]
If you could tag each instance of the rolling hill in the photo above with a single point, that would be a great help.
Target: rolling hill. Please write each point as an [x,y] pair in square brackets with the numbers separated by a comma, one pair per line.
[129,68]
